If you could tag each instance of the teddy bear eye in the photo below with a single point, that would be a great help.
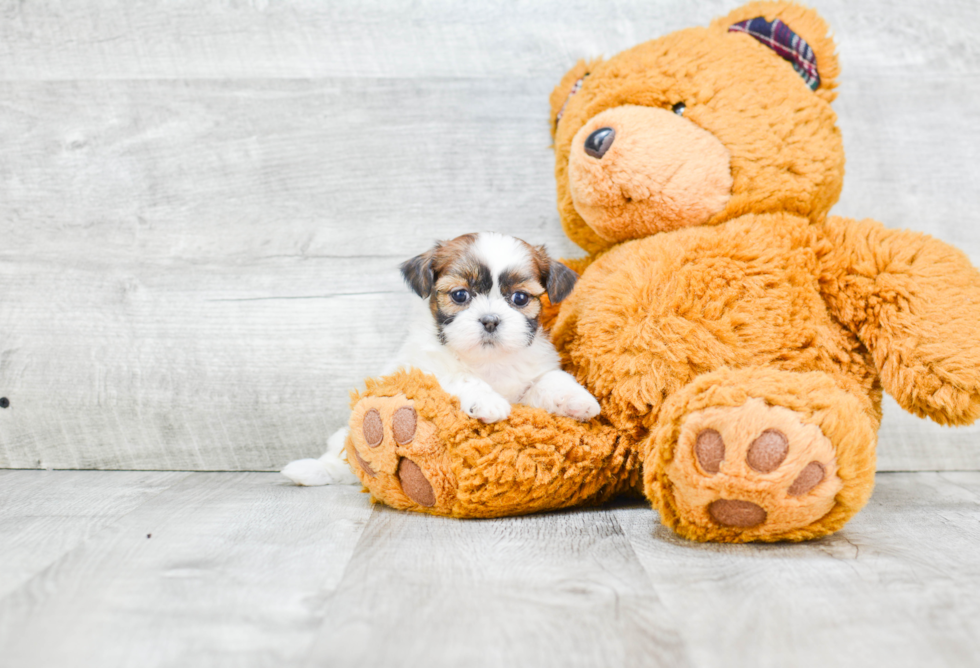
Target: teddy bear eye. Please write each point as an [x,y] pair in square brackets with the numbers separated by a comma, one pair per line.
[679,108]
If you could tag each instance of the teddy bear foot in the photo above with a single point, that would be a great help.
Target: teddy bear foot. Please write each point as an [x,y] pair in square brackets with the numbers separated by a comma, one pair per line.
[753,466]
[760,454]
[397,455]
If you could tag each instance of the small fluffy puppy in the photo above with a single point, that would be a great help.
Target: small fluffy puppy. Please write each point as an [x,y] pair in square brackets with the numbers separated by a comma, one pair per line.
[476,329]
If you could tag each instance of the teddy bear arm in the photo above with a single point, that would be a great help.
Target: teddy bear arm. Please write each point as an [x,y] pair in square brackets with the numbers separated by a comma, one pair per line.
[914,302]
[413,448]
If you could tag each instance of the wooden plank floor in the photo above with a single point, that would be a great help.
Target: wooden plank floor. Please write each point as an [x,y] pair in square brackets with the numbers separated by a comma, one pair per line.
[241,569]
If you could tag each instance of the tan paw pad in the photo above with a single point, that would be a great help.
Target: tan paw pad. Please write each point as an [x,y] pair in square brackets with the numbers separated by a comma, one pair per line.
[403,425]
[768,451]
[755,467]
[811,476]
[364,465]
[372,428]
[709,448]
[743,514]
[414,484]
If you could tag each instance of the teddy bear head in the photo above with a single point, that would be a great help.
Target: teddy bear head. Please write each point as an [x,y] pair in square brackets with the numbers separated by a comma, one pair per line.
[700,126]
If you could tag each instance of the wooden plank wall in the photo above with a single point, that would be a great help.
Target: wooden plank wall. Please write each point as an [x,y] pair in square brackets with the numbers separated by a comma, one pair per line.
[202,204]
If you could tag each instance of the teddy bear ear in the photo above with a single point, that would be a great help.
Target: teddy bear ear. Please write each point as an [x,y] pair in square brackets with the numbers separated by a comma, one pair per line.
[795,33]
[570,84]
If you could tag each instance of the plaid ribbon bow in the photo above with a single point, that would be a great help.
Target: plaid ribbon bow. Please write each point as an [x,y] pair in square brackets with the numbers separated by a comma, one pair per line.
[787,44]
[575,88]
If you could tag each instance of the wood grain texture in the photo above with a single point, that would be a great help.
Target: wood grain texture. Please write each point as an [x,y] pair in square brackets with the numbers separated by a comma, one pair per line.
[563,589]
[220,569]
[323,168]
[898,586]
[210,39]
[177,365]
[311,38]
[162,157]
[245,570]
[46,514]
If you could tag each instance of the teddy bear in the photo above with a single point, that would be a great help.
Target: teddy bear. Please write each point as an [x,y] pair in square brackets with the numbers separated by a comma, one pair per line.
[737,336]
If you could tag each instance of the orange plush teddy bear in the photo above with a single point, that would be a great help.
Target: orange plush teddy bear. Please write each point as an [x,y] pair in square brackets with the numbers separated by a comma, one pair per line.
[737,337]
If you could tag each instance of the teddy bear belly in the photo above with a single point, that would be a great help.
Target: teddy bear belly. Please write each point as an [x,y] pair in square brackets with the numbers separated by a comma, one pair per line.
[651,314]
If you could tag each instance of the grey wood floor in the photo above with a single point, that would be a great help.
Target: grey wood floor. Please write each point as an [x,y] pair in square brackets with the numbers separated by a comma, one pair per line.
[241,569]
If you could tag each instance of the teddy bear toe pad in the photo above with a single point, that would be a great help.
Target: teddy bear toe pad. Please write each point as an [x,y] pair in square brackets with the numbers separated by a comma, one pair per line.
[753,467]
[414,483]
[397,455]
[743,514]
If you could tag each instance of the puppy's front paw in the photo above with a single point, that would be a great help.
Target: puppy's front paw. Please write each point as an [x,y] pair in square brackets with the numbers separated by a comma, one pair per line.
[577,404]
[485,406]
[559,393]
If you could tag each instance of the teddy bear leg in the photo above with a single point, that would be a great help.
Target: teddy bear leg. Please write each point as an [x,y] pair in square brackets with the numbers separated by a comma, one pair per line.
[414,449]
[760,454]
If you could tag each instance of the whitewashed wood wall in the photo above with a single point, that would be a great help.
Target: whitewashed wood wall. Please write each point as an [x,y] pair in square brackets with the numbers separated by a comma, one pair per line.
[203,203]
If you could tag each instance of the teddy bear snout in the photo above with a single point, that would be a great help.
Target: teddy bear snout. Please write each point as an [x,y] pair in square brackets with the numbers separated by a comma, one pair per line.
[597,143]
[635,171]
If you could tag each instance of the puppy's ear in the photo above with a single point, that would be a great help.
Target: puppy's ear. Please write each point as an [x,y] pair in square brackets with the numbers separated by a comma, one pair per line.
[560,281]
[419,273]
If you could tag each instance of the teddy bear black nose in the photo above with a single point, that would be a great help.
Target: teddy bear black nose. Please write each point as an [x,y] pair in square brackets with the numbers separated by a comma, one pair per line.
[597,143]
[490,322]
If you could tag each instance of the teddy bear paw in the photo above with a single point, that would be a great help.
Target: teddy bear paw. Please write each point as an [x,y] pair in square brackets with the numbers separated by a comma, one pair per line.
[398,455]
[754,469]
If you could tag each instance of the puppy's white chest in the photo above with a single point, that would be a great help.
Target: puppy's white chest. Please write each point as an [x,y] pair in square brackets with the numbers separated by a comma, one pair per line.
[506,382]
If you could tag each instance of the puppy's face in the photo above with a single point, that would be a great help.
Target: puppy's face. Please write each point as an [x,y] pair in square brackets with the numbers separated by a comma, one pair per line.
[484,290]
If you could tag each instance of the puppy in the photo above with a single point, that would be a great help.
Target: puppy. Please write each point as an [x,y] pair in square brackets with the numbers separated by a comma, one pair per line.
[476,330]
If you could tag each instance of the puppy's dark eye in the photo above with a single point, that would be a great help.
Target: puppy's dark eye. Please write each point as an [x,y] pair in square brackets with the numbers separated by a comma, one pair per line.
[679,108]
[520,298]
[459,296]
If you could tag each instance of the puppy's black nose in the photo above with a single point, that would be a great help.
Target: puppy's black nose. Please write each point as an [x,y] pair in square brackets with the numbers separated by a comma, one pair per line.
[597,143]
[490,322]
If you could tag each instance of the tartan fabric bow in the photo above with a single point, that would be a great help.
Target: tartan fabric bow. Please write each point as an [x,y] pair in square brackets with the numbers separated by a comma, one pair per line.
[787,44]
[575,88]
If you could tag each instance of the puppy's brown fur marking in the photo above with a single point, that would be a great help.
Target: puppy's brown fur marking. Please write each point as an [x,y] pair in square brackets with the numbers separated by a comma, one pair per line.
[422,270]
[512,281]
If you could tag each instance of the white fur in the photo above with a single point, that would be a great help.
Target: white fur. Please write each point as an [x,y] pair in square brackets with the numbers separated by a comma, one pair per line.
[558,392]
[330,469]
[487,373]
